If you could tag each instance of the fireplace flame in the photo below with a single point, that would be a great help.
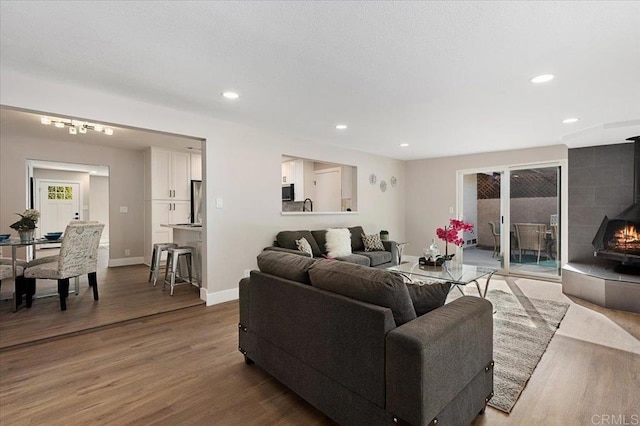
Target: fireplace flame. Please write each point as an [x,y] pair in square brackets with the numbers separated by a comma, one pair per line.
[626,237]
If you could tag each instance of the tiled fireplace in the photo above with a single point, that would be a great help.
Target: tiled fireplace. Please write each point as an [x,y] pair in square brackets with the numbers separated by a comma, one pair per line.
[601,192]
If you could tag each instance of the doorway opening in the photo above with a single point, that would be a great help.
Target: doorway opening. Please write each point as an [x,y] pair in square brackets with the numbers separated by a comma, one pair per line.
[64,192]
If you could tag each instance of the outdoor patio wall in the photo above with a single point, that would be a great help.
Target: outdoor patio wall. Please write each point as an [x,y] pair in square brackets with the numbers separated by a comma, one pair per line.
[428,205]
[600,183]
[523,210]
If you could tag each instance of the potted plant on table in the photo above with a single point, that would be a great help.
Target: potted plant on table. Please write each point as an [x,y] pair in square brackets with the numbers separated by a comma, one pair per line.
[27,224]
[450,234]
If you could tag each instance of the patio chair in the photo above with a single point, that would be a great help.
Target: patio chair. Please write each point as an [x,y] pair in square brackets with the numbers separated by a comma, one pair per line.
[78,256]
[495,231]
[530,236]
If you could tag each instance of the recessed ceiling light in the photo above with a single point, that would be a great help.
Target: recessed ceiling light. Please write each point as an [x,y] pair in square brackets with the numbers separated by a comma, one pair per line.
[542,78]
[570,120]
[404,145]
[230,95]
[341,126]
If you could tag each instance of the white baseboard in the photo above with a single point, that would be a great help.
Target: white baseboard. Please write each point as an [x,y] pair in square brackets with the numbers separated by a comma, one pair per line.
[126,261]
[219,296]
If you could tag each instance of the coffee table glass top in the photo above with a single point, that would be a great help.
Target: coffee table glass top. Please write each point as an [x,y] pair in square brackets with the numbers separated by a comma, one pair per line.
[456,273]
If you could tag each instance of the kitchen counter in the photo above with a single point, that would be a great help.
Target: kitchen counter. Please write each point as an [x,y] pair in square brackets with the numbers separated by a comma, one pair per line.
[187,234]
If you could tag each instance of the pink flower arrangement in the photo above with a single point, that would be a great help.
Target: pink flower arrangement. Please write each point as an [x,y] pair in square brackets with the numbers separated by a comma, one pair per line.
[449,234]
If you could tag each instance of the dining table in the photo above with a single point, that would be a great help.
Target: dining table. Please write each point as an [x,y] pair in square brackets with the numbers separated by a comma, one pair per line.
[15,244]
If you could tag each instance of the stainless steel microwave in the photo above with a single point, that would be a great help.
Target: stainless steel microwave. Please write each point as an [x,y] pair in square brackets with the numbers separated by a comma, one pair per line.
[288,193]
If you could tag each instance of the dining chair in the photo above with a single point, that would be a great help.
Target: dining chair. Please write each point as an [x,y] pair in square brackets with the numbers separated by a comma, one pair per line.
[495,231]
[78,256]
[530,236]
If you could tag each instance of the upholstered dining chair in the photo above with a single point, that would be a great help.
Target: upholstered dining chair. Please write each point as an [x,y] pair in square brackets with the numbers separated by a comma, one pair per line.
[495,231]
[78,256]
[530,236]
[6,272]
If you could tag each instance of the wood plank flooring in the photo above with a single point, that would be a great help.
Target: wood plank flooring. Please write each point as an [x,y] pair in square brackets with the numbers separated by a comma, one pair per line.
[125,294]
[183,367]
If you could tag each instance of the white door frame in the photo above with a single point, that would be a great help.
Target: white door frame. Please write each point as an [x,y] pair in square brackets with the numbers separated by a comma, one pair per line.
[505,190]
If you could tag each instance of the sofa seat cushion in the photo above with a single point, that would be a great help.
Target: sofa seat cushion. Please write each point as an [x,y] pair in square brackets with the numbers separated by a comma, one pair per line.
[285,265]
[287,239]
[358,259]
[428,296]
[376,257]
[370,285]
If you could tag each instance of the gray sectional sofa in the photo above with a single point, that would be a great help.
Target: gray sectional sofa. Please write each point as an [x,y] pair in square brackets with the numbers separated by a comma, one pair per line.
[347,339]
[286,242]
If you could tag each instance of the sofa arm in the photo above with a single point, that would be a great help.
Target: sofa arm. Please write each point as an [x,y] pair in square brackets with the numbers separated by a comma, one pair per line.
[391,246]
[285,250]
[433,358]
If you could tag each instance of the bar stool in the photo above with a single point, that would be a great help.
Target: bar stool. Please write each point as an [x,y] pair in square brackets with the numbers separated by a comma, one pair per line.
[173,260]
[158,248]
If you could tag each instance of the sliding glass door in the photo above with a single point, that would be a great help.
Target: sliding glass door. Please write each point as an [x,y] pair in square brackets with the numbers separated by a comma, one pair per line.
[534,211]
[516,213]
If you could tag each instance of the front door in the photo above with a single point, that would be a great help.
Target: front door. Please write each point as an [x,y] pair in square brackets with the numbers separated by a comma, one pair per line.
[59,204]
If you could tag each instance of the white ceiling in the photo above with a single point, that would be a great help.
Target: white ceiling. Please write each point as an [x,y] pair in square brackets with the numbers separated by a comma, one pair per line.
[446,77]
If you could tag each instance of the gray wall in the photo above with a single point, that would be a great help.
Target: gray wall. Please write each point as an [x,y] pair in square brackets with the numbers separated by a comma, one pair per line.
[600,183]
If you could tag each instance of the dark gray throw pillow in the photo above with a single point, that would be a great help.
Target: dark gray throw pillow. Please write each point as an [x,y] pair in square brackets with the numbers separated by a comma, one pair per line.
[429,296]
[370,285]
[285,265]
[287,239]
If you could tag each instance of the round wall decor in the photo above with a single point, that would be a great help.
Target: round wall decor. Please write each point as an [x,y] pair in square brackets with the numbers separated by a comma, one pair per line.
[372,179]
[393,181]
[383,186]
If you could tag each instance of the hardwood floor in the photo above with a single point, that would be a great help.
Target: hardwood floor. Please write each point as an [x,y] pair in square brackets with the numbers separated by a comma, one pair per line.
[125,294]
[183,367]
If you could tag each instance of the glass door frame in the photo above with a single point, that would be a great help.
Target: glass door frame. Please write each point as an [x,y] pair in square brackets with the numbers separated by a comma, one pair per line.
[505,211]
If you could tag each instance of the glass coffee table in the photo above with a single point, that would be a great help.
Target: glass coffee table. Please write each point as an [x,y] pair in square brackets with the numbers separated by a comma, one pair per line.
[457,274]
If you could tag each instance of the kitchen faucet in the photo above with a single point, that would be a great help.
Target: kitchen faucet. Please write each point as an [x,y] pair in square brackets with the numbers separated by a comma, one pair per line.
[304,205]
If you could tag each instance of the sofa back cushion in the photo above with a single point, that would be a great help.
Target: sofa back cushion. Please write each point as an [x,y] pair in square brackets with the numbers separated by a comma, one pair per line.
[356,238]
[285,265]
[321,238]
[287,239]
[370,285]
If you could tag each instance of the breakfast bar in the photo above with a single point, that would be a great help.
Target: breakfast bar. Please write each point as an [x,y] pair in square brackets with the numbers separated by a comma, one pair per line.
[189,234]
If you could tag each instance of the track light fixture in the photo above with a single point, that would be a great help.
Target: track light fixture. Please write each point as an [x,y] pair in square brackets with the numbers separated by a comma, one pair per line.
[76,126]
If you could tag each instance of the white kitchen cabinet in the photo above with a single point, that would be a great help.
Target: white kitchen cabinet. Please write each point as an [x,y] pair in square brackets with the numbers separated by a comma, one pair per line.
[170,176]
[288,171]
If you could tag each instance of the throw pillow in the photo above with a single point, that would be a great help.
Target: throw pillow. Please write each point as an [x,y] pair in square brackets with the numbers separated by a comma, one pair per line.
[372,242]
[338,242]
[304,246]
[428,296]
[375,286]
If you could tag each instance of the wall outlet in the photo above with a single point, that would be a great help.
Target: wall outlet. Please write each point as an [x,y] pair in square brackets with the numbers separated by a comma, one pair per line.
[127,252]
[124,209]
[247,272]
[219,203]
